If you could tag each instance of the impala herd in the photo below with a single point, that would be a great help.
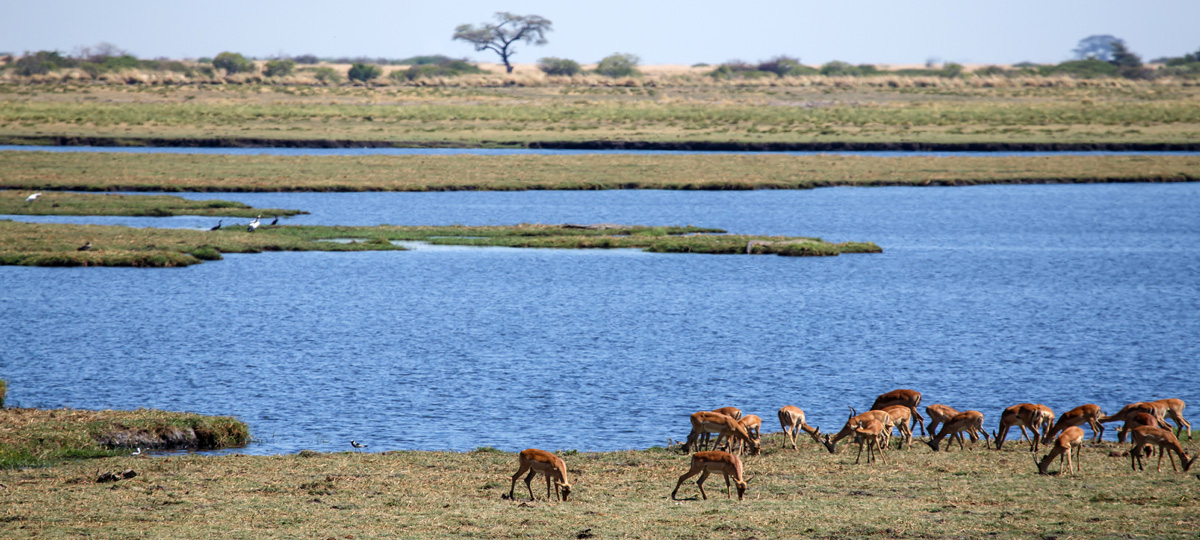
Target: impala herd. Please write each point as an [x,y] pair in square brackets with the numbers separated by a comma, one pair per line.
[1146,421]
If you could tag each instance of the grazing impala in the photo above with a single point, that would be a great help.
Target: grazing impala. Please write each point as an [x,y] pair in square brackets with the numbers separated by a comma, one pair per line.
[704,463]
[939,414]
[1071,439]
[551,466]
[732,412]
[753,425]
[1165,441]
[1131,410]
[791,418]
[970,422]
[1175,413]
[1021,415]
[856,421]
[898,416]
[907,398]
[873,435]
[724,426]
[1044,421]
[1089,414]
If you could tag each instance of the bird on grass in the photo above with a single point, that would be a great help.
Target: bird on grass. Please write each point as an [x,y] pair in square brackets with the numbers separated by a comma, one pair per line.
[357,445]
[219,221]
[33,197]
[137,452]
[275,221]
[253,224]
[85,247]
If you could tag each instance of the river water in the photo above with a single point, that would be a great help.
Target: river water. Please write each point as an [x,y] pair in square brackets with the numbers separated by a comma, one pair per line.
[984,297]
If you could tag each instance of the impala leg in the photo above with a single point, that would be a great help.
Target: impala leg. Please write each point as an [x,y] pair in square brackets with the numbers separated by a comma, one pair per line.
[693,472]
[528,480]
[1078,461]
[700,483]
[728,494]
[548,483]
[1097,429]
[524,467]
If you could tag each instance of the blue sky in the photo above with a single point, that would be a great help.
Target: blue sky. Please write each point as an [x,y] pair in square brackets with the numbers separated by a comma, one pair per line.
[889,32]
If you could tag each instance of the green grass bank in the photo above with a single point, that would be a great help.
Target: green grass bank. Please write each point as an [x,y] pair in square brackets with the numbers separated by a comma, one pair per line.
[978,493]
[84,204]
[38,171]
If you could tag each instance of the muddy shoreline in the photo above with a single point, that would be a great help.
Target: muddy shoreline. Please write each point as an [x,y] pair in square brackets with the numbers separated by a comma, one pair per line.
[693,146]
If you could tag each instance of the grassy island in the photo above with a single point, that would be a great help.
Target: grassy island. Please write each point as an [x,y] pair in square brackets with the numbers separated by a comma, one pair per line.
[48,244]
[86,204]
[35,437]
[977,493]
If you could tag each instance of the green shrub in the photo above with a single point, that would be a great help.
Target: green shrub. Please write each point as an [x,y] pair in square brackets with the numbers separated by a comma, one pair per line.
[838,68]
[279,68]
[1086,69]
[307,59]
[782,66]
[41,62]
[425,59]
[232,63]
[325,74]
[449,68]
[559,66]
[619,65]
[364,72]
[951,70]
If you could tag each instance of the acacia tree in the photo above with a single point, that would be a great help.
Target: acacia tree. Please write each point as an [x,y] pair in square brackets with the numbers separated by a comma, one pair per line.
[500,36]
[1099,47]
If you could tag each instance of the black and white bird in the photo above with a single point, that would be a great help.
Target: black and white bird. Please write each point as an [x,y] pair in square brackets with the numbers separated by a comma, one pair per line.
[219,221]
[275,221]
[253,224]
[137,452]
[85,246]
[357,445]
[33,197]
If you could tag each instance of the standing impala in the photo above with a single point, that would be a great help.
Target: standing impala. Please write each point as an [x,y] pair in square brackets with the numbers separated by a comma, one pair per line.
[969,421]
[1021,415]
[1089,414]
[1165,440]
[898,417]
[724,426]
[907,398]
[704,463]
[1174,411]
[551,466]
[791,418]
[872,434]
[1130,411]
[939,414]
[1071,439]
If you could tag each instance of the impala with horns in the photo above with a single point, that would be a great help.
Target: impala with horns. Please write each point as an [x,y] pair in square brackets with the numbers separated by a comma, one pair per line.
[723,425]
[856,421]
[873,435]
[791,419]
[1089,414]
[907,398]
[1021,415]
[551,466]
[705,463]
[1165,441]
[1174,411]
[1130,411]
[939,414]
[1071,439]
[970,422]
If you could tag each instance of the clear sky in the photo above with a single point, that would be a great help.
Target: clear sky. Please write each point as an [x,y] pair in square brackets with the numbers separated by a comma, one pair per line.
[712,31]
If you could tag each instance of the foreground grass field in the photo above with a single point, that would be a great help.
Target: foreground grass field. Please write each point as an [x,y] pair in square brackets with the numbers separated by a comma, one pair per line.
[50,244]
[919,494]
[824,109]
[28,171]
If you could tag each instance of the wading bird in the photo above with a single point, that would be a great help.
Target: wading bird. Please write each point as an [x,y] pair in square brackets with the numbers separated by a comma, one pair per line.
[275,221]
[253,224]
[357,445]
[33,197]
[218,226]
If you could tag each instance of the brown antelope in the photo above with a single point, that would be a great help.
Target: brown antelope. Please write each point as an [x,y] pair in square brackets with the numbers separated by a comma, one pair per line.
[938,414]
[732,412]
[1021,415]
[873,435]
[791,418]
[970,422]
[856,421]
[1131,410]
[704,463]
[1175,413]
[907,398]
[1089,414]
[551,466]
[1165,440]
[899,415]
[1071,439]
[753,425]
[724,426]
[1044,420]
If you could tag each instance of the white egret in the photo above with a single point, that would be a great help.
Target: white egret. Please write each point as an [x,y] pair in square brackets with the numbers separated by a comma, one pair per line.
[33,197]
[253,224]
